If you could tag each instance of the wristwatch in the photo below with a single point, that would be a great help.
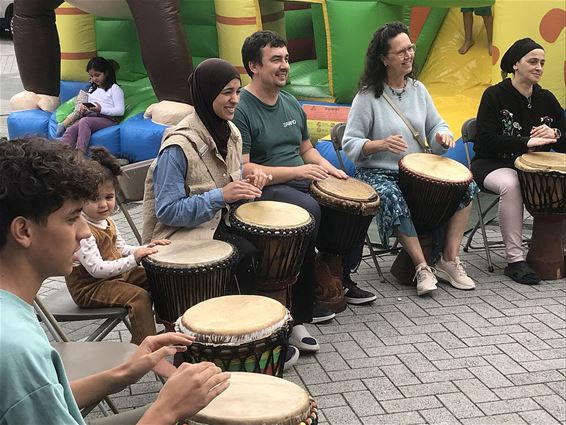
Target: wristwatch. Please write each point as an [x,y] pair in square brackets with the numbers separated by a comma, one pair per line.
[557,133]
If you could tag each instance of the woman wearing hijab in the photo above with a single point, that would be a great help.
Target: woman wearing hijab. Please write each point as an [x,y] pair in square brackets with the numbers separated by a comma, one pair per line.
[515,116]
[197,173]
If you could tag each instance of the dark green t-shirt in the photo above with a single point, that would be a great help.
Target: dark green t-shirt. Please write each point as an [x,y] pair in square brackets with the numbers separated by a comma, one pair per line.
[272,135]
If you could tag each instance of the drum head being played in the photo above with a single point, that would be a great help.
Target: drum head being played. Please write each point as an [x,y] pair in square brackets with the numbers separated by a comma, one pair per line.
[350,189]
[234,315]
[184,254]
[254,399]
[436,167]
[272,215]
[542,161]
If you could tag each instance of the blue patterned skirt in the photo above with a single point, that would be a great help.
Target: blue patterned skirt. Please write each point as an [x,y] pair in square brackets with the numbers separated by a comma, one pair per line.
[393,211]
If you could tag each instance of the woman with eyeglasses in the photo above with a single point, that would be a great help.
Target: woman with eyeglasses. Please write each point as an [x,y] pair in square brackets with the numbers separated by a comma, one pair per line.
[376,138]
[516,116]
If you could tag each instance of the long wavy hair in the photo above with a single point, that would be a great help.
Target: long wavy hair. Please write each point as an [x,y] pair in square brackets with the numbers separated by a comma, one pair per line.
[375,71]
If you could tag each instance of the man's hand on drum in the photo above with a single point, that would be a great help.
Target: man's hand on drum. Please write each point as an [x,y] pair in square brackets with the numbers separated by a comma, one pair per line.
[310,172]
[543,131]
[151,355]
[258,178]
[445,140]
[240,190]
[539,141]
[191,388]
[394,144]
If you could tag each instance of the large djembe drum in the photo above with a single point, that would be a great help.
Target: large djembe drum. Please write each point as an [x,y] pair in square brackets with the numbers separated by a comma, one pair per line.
[542,176]
[433,187]
[245,333]
[185,273]
[347,208]
[279,231]
[253,399]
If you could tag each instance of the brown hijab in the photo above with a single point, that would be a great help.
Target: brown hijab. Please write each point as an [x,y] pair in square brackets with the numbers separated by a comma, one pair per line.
[205,83]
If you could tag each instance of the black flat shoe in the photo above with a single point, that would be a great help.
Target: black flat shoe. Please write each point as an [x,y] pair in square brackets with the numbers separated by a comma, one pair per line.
[521,273]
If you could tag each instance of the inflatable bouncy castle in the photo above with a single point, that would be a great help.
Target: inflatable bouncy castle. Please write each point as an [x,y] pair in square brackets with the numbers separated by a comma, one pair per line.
[157,46]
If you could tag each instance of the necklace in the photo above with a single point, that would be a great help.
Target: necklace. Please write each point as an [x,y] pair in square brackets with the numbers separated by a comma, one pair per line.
[529,102]
[398,93]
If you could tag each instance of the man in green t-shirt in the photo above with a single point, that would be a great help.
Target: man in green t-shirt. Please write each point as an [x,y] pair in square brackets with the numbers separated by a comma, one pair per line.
[276,139]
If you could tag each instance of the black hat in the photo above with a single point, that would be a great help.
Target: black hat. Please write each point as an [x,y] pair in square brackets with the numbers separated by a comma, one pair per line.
[514,54]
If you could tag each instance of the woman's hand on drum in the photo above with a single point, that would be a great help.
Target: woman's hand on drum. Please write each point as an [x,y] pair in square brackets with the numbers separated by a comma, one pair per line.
[238,190]
[191,388]
[258,178]
[143,251]
[543,131]
[159,242]
[539,141]
[394,144]
[310,172]
[445,140]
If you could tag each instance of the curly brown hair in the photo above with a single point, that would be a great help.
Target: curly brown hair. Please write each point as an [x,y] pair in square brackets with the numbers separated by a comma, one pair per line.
[110,167]
[37,176]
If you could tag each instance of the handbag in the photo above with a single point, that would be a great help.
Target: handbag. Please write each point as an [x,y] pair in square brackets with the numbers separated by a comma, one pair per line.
[420,140]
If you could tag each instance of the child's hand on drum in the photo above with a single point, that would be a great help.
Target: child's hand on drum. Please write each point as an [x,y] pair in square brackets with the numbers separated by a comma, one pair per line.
[445,140]
[142,251]
[239,190]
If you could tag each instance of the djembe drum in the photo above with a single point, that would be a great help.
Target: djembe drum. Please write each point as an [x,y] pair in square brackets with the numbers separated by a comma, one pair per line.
[245,333]
[347,208]
[279,231]
[185,273]
[542,176]
[433,187]
[254,399]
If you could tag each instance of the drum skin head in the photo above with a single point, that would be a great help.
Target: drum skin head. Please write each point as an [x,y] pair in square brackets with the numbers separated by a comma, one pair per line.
[186,254]
[253,399]
[233,315]
[542,161]
[350,189]
[272,215]
[436,167]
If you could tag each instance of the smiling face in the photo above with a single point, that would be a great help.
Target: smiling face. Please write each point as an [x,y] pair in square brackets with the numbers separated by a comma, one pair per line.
[224,105]
[274,68]
[530,67]
[105,204]
[399,59]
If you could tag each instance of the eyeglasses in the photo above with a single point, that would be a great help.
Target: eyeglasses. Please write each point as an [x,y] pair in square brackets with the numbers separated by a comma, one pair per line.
[403,52]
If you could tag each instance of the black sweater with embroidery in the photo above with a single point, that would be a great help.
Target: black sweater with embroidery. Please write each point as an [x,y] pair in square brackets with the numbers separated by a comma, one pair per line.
[505,120]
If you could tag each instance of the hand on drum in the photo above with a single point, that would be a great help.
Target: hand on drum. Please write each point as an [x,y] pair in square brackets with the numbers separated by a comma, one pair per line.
[336,172]
[158,242]
[539,141]
[151,354]
[144,250]
[394,144]
[543,131]
[239,190]
[258,178]
[191,388]
[445,140]
[310,172]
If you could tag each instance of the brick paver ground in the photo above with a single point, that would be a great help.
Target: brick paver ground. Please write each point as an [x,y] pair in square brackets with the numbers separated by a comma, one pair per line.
[495,355]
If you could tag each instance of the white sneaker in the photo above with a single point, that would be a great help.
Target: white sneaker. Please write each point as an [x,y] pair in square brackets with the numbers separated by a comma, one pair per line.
[426,280]
[454,273]
[302,339]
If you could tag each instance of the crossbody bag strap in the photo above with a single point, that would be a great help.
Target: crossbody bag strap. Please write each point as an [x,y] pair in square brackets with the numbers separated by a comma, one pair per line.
[420,140]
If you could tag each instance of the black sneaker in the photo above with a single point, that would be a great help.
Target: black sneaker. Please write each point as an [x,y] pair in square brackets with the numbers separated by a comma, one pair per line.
[321,314]
[291,357]
[355,295]
[521,273]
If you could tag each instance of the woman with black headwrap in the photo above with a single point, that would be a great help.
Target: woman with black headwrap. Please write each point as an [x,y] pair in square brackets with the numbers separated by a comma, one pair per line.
[197,173]
[515,116]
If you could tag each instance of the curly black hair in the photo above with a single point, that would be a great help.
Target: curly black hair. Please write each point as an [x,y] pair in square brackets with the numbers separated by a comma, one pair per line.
[375,72]
[109,165]
[251,49]
[37,176]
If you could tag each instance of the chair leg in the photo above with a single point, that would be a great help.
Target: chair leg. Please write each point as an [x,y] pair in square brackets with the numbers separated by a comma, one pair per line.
[374,258]
[484,236]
